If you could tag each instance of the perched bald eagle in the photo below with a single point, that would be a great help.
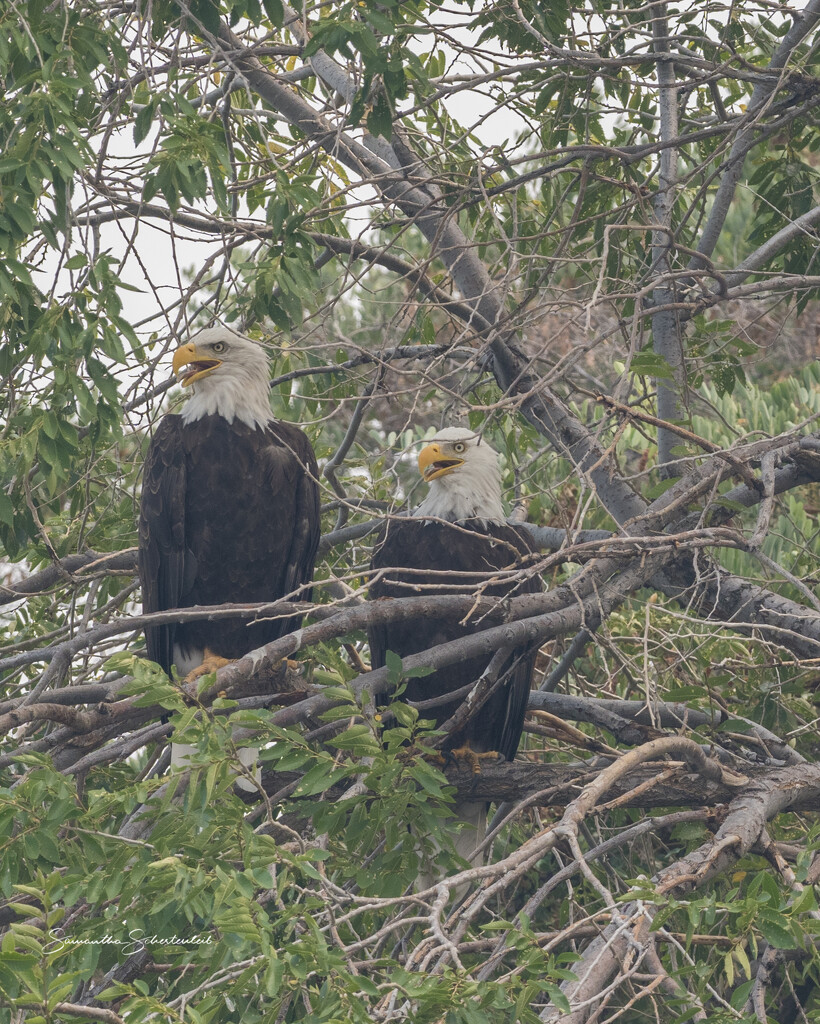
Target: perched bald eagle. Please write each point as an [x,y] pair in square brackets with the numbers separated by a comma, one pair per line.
[229,509]
[459,528]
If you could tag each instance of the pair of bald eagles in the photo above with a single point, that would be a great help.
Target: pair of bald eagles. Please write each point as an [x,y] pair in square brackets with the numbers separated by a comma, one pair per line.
[230,513]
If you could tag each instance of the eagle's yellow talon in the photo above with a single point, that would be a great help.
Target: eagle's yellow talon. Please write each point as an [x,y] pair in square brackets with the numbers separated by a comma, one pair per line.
[474,757]
[210,663]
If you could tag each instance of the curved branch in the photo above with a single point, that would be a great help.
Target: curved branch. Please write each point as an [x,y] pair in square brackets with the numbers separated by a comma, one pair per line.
[82,566]
[772,246]
[800,27]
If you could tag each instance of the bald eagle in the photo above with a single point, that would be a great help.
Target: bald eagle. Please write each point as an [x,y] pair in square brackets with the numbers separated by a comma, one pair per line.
[459,528]
[229,509]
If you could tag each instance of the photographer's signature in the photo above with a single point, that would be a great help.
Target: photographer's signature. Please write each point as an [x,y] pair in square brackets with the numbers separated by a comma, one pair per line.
[136,941]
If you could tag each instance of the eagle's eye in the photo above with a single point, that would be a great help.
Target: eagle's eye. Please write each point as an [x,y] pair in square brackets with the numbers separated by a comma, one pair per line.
[218,347]
[459,447]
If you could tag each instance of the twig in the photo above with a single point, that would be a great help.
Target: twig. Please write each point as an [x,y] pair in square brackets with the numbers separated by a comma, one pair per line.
[329,472]
[94,1012]
[764,515]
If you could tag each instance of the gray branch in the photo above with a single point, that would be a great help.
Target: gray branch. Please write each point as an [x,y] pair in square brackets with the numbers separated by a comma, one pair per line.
[666,340]
[802,24]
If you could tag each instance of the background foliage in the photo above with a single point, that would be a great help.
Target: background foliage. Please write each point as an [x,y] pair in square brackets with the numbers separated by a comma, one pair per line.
[587,230]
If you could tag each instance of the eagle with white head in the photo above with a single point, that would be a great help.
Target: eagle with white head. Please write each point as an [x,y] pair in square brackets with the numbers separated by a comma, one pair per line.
[229,509]
[459,528]
[465,481]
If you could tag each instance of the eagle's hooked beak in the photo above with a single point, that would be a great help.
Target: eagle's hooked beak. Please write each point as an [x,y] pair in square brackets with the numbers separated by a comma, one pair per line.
[433,463]
[200,365]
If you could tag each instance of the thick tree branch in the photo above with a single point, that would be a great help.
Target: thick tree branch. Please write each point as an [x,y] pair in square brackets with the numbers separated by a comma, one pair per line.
[557,785]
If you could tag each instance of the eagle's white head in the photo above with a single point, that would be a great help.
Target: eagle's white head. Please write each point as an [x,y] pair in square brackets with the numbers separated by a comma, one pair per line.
[465,481]
[229,375]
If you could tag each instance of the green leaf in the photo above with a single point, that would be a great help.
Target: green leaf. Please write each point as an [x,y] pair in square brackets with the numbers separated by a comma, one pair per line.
[418,672]
[143,122]
[380,119]
[649,364]
[659,488]
[275,11]
[205,13]
[379,21]
[557,997]
[358,739]
[740,995]
[804,902]
[394,667]
[274,973]
[405,715]
[340,693]
[319,779]
[6,509]
[773,931]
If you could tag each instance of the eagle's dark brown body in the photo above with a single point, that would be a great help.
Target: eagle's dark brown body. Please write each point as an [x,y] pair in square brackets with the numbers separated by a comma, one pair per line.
[443,549]
[229,513]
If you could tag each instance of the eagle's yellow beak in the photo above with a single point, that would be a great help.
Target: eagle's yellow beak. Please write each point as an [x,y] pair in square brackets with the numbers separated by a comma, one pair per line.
[434,463]
[200,365]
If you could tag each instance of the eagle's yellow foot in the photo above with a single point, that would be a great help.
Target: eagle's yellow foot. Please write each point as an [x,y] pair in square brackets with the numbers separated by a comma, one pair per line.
[292,665]
[474,757]
[435,757]
[210,663]
[407,754]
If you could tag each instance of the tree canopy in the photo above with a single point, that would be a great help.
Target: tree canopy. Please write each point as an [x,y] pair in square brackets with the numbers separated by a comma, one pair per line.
[587,231]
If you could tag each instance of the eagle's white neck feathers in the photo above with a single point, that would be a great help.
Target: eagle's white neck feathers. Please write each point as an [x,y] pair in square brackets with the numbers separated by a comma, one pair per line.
[473,489]
[236,390]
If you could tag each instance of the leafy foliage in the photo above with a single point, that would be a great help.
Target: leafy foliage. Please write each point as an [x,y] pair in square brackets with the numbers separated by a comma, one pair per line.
[429,214]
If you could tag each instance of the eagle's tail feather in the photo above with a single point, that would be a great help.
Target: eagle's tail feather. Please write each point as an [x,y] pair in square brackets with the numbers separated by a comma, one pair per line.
[181,753]
[472,814]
